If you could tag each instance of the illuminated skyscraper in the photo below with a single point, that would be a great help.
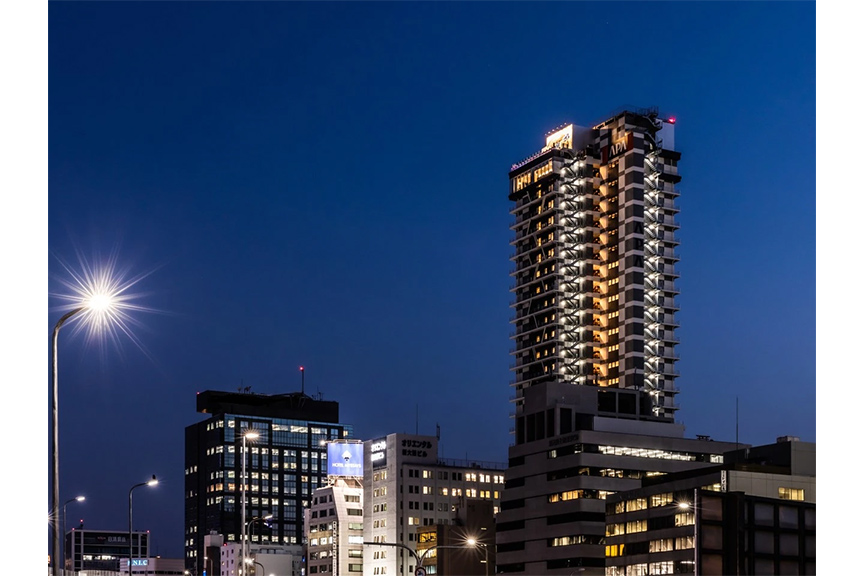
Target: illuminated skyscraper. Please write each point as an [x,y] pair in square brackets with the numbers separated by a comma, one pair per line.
[594,259]
[594,340]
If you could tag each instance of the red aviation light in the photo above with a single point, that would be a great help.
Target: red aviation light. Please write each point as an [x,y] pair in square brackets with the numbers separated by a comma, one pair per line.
[671,120]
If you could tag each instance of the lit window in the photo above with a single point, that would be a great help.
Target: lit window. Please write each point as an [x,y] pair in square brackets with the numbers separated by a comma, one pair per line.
[661,499]
[791,493]
[685,519]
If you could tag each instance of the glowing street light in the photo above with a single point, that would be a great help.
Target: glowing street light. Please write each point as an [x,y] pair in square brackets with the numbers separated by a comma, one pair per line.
[475,543]
[95,305]
[99,298]
[152,482]
[76,499]
[251,435]
[258,519]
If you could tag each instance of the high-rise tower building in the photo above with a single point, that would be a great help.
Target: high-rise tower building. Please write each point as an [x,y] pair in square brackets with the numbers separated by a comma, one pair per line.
[594,259]
[594,301]
[284,464]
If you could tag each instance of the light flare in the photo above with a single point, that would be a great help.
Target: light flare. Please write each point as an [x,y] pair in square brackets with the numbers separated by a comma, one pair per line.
[102,292]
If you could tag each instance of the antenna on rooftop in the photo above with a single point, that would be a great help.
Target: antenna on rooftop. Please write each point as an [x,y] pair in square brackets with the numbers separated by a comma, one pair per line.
[302,380]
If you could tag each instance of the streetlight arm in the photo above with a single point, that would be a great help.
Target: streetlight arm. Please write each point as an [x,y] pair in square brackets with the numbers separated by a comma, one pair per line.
[55,446]
[66,317]
[151,482]
[396,545]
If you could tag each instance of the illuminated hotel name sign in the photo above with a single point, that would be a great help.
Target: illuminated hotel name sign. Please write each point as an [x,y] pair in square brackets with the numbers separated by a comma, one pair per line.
[378,451]
[563,138]
[618,147]
[345,459]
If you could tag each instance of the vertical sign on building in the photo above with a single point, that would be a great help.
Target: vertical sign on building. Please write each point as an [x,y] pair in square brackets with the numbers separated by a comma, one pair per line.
[378,451]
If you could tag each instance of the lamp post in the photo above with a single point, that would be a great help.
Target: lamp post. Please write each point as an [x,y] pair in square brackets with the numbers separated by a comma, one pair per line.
[419,558]
[475,543]
[251,435]
[76,499]
[96,303]
[152,482]
[257,519]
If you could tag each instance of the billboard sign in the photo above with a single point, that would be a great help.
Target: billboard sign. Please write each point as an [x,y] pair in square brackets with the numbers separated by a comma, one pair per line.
[378,450]
[345,459]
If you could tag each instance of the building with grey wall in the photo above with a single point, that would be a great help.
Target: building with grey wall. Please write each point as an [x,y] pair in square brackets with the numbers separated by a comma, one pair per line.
[582,451]
[407,486]
[334,529]
[754,514]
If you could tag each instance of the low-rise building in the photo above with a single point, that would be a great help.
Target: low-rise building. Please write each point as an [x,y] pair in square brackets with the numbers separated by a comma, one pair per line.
[284,560]
[464,546]
[103,549]
[754,514]
[154,566]
[334,528]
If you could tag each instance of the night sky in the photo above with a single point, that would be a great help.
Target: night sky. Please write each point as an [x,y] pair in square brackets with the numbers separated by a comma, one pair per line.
[325,184]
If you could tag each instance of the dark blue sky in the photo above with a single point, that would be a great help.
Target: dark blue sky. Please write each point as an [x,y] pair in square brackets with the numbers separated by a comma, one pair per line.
[325,184]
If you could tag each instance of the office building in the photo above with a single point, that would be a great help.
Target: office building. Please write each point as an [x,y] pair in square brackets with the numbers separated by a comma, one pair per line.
[92,550]
[407,486]
[587,444]
[754,514]
[284,464]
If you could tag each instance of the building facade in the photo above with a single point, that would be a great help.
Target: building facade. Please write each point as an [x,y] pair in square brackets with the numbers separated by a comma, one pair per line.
[586,445]
[466,546]
[407,486]
[755,514]
[284,465]
[284,560]
[154,566]
[594,272]
[594,259]
[103,549]
[334,529]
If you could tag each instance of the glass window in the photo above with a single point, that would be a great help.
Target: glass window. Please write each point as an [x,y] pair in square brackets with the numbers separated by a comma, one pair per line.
[791,494]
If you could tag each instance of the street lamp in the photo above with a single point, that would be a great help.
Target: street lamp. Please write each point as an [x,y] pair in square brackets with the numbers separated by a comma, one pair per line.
[76,499]
[255,570]
[152,482]
[475,543]
[419,558]
[97,303]
[251,435]
[257,519]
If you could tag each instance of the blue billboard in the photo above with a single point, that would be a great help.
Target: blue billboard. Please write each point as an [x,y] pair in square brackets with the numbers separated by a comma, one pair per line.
[345,458]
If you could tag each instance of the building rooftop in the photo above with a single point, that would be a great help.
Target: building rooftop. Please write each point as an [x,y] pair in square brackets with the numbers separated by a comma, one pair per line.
[291,406]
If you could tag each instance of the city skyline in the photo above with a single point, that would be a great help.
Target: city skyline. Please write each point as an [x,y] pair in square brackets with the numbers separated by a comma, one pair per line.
[367,238]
